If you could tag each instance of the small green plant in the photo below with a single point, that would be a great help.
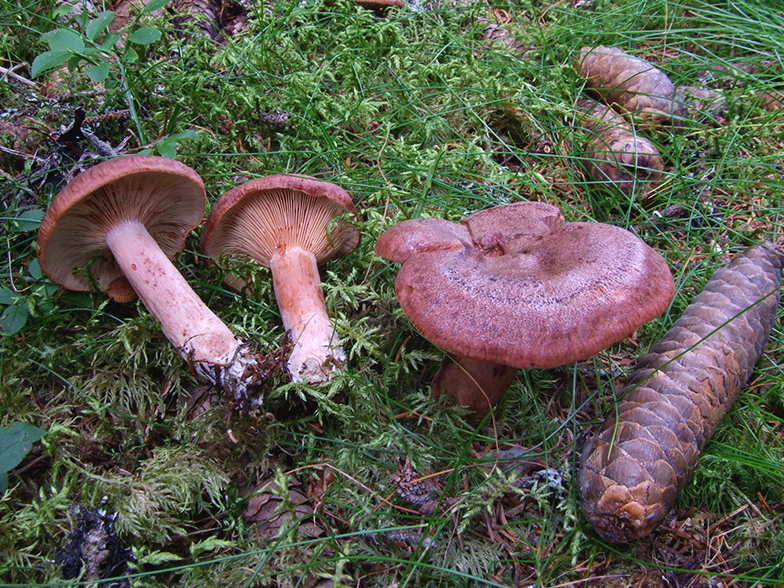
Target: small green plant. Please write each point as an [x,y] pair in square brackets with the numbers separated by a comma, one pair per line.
[167,146]
[92,46]
[32,292]
[15,443]
[108,60]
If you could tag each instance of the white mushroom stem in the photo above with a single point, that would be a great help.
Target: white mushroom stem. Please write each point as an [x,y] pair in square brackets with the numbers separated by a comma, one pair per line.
[317,352]
[476,384]
[201,337]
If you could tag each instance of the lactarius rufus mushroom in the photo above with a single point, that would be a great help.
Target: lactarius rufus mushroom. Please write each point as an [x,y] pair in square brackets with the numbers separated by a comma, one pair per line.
[292,225]
[615,154]
[517,287]
[380,5]
[634,85]
[636,466]
[123,221]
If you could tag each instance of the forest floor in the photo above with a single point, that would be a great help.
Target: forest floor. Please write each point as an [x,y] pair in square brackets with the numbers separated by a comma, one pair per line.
[148,477]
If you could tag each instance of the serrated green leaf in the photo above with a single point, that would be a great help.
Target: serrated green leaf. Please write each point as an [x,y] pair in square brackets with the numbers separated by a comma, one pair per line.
[7,296]
[49,60]
[35,269]
[15,443]
[29,220]
[98,25]
[64,40]
[154,5]
[14,318]
[109,41]
[98,73]
[167,149]
[145,36]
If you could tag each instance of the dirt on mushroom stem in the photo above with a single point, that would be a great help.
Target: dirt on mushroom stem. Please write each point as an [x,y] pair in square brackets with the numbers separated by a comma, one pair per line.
[212,351]
[317,351]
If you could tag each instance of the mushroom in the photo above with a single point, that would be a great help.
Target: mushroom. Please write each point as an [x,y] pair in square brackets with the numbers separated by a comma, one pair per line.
[291,225]
[124,220]
[380,5]
[515,286]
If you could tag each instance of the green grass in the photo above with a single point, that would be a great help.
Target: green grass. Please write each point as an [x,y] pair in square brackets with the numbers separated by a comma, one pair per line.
[415,117]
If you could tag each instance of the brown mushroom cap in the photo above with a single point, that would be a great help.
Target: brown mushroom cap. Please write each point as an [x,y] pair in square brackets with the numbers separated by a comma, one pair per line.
[527,289]
[166,196]
[272,214]
[381,4]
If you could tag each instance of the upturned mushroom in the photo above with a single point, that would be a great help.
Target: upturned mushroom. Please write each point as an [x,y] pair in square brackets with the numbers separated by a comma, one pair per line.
[291,225]
[119,224]
[515,286]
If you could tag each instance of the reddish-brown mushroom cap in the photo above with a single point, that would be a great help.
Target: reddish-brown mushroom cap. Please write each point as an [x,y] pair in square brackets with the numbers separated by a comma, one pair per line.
[381,4]
[165,195]
[529,290]
[556,298]
[269,215]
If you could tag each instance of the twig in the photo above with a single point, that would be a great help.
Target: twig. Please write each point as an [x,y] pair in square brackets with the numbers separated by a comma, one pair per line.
[8,72]
[16,153]
[357,482]
[101,147]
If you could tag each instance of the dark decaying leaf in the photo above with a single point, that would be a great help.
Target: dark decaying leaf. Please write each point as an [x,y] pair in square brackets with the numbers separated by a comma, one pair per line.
[421,492]
[205,14]
[93,551]
[271,513]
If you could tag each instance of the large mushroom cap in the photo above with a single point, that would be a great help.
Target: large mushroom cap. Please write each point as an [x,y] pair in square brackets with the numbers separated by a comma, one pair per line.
[166,196]
[381,4]
[269,215]
[529,290]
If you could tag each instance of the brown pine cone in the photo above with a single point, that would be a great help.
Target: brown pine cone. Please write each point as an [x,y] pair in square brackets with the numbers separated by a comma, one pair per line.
[634,85]
[615,153]
[636,466]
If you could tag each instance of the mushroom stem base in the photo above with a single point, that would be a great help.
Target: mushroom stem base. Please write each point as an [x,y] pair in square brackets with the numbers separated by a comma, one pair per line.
[317,352]
[244,376]
[473,383]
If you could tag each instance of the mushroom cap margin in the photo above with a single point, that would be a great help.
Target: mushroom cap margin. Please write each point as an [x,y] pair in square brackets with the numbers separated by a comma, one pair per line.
[267,215]
[167,196]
